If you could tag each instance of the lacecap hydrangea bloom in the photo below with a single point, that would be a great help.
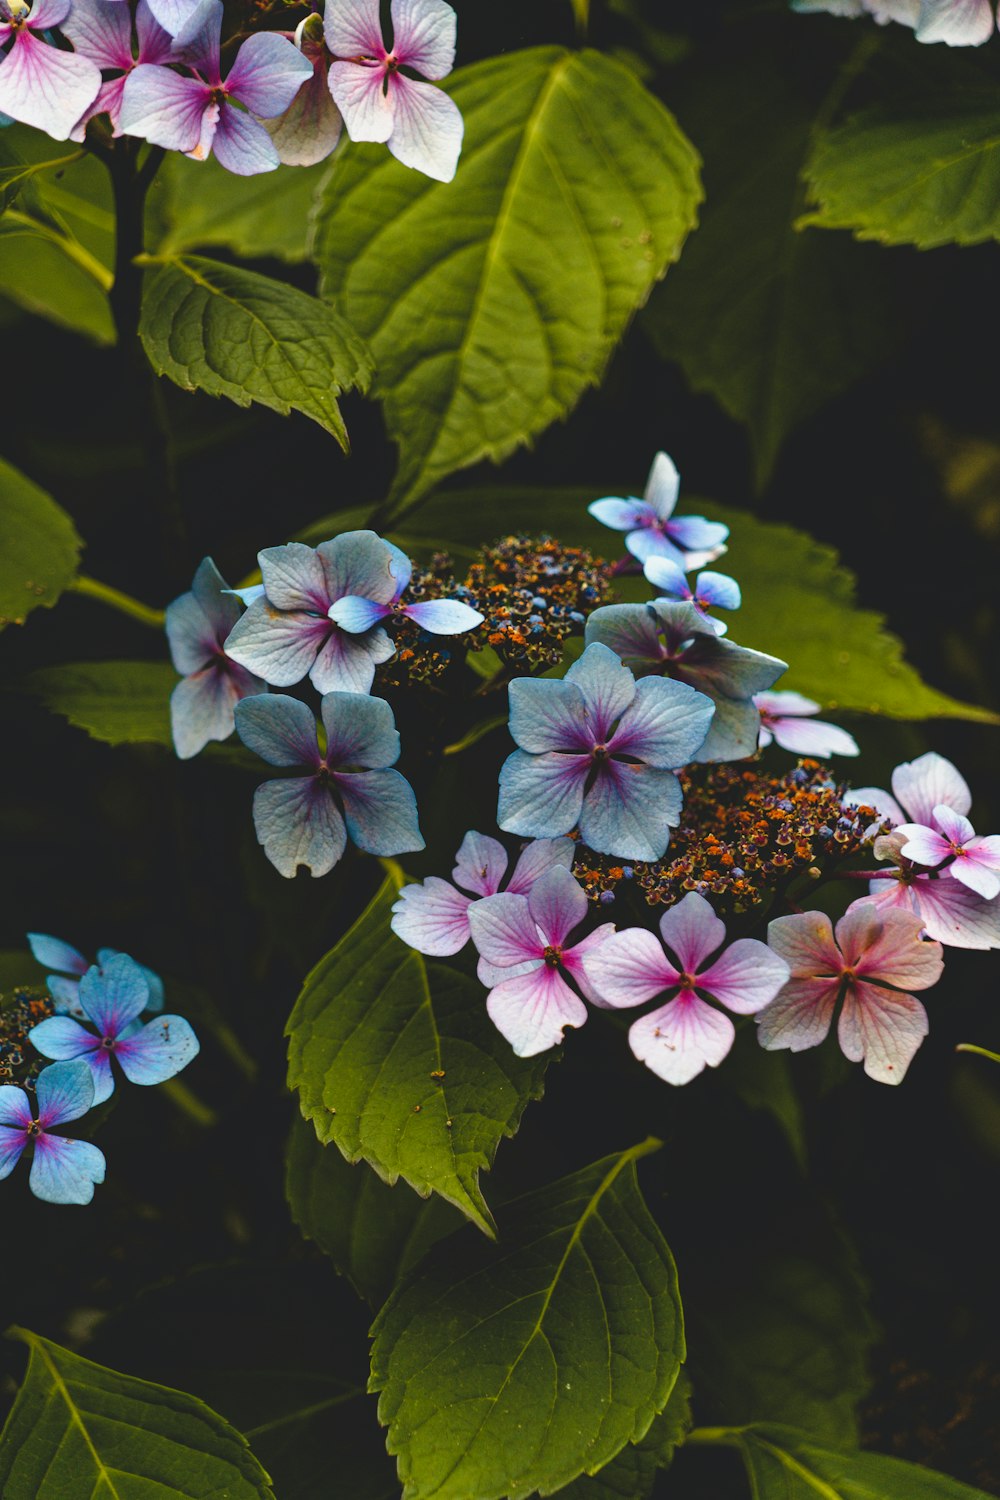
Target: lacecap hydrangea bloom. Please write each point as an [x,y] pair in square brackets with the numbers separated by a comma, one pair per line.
[62,1171]
[651,528]
[70,964]
[203,704]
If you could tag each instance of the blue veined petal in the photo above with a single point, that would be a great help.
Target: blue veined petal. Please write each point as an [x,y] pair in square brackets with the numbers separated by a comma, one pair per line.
[65,1091]
[444,616]
[12,1144]
[548,715]
[356,615]
[718,589]
[360,732]
[158,1051]
[620,515]
[541,795]
[61,1038]
[607,686]
[65,1171]
[380,810]
[630,810]
[114,996]
[52,953]
[297,824]
[280,729]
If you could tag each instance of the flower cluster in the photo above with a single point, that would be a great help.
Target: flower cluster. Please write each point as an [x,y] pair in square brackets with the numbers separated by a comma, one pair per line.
[154,70]
[535,594]
[83,1026]
[959,23]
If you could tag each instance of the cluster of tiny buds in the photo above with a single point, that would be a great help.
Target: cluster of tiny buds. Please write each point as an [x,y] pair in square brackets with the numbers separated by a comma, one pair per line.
[535,593]
[422,658]
[24,1008]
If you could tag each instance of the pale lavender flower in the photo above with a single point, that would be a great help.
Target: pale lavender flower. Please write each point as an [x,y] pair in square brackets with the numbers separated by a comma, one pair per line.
[102,31]
[527,938]
[871,962]
[357,613]
[62,1171]
[347,791]
[422,127]
[975,861]
[202,114]
[678,1039]
[202,705]
[787,719]
[433,917]
[651,526]
[41,84]
[310,127]
[959,23]
[599,750]
[710,590]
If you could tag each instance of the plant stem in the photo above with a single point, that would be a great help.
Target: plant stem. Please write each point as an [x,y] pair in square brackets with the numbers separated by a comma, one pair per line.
[979,1051]
[188,1103]
[124,603]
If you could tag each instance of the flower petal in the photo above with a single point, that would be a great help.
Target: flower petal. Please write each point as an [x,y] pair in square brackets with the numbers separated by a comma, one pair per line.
[354,27]
[173,15]
[692,931]
[887,947]
[280,729]
[537,857]
[380,810]
[101,32]
[242,145]
[311,126]
[630,810]
[719,590]
[198,43]
[203,706]
[53,953]
[697,537]
[663,486]
[503,930]
[799,1017]
[277,645]
[873,796]
[956,828]
[959,23]
[785,703]
[632,631]
[267,73]
[746,977]
[668,577]
[444,616]
[677,1041]
[358,92]
[65,1171]
[557,905]
[15,1108]
[805,942]
[481,864]
[883,1028]
[919,785]
[620,515]
[427,128]
[360,731]
[65,1091]
[12,1142]
[533,1010]
[548,715]
[423,36]
[432,917]
[65,995]
[813,737]
[159,1051]
[666,724]
[43,86]
[647,543]
[361,562]
[294,578]
[62,1039]
[950,912]
[629,968]
[164,108]
[541,796]
[978,865]
[115,995]
[298,824]
[346,663]
[356,615]
[607,686]
[922,845]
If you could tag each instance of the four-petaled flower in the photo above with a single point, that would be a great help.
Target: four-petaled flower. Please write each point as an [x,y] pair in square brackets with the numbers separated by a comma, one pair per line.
[357,614]
[651,526]
[202,113]
[959,23]
[676,639]
[422,127]
[41,84]
[310,127]
[62,1171]
[301,820]
[53,953]
[679,1038]
[527,938]
[112,999]
[203,704]
[874,959]
[434,917]
[287,631]
[975,861]
[599,750]
[710,590]
[786,718]
[103,32]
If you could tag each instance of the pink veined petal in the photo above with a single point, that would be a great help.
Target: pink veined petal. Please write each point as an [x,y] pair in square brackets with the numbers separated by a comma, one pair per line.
[873,796]
[46,13]
[959,23]
[198,43]
[354,29]
[311,126]
[294,578]
[423,36]
[692,931]
[745,977]
[503,931]
[155,42]
[108,102]
[202,706]
[533,1010]
[895,952]
[629,968]
[427,127]
[856,931]
[805,942]
[41,85]
[607,686]
[813,737]
[433,917]
[883,1028]
[267,73]
[101,32]
[481,864]
[922,845]
[952,825]
[241,144]
[680,1039]
[921,784]
[574,961]
[491,975]
[976,868]
[358,92]
[535,859]
[346,664]
[297,824]
[784,703]
[557,904]
[164,108]
[663,487]
[799,1017]
[950,912]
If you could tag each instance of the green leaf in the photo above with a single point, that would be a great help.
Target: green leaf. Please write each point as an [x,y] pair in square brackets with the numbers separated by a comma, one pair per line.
[493,302]
[784,1464]
[791,320]
[398,1064]
[799,602]
[921,172]
[371,1232]
[632,1474]
[44,276]
[525,1364]
[39,548]
[119,702]
[235,333]
[78,1430]
[200,204]
[15,172]
[765,1080]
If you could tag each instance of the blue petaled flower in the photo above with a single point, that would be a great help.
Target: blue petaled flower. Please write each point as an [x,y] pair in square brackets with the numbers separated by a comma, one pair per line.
[62,1171]
[202,704]
[599,750]
[53,953]
[710,591]
[651,526]
[677,640]
[347,790]
[112,999]
[357,613]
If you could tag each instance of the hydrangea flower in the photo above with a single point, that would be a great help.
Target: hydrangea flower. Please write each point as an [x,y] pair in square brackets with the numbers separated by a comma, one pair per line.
[975,861]
[599,750]
[202,705]
[675,639]
[651,526]
[918,787]
[62,1171]
[102,31]
[357,613]
[433,917]
[527,938]
[112,999]
[287,632]
[710,591]
[872,961]
[53,953]
[678,1039]
[959,23]
[422,127]
[203,113]
[173,15]
[347,791]
[41,84]
[310,127]
[786,718]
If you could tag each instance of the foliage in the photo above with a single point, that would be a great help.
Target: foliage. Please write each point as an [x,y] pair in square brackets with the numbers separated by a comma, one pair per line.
[39,548]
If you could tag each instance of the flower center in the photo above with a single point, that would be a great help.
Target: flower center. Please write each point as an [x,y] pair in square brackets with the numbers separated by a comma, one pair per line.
[552,955]
[108,1043]
[600,753]
[688,981]
[34,1129]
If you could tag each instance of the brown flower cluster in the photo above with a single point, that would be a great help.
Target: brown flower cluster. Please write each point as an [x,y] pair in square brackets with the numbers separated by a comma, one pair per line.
[24,1008]
[535,593]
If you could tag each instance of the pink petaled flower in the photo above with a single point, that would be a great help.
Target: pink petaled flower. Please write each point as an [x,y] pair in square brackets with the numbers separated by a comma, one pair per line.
[873,961]
[103,32]
[973,860]
[787,719]
[311,125]
[40,84]
[422,127]
[434,917]
[527,938]
[678,1039]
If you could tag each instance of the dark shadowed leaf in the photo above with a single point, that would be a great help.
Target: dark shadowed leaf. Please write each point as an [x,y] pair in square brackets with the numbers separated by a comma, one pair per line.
[632,1474]
[39,548]
[202,204]
[119,702]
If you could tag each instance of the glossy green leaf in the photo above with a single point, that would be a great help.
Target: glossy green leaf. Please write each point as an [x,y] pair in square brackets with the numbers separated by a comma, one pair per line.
[235,333]
[922,172]
[794,317]
[201,204]
[15,172]
[519,1366]
[785,1464]
[632,1474]
[39,548]
[493,302]
[119,702]
[371,1232]
[80,1432]
[44,275]
[397,1063]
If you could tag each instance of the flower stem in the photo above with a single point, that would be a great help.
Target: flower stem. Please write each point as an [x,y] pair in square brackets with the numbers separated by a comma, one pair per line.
[189,1104]
[124,603]
[979,1051]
